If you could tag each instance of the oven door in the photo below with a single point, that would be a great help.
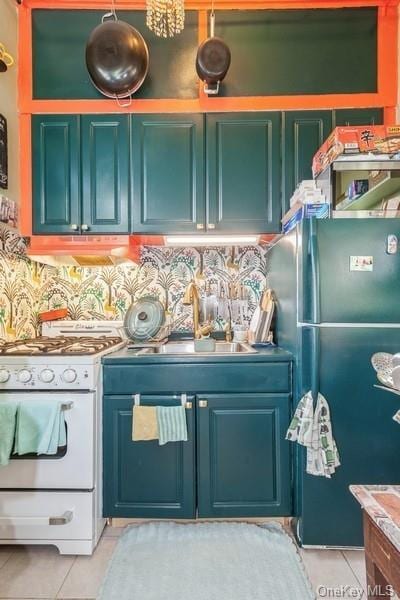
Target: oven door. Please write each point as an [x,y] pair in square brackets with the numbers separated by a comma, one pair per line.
[73,467]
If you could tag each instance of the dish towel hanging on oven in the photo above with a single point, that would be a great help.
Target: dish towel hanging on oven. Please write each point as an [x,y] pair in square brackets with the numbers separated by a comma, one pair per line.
[8,412]
[40,428]
[313,429]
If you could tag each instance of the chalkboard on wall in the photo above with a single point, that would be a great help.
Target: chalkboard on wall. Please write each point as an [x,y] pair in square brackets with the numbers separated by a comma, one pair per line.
[3,154]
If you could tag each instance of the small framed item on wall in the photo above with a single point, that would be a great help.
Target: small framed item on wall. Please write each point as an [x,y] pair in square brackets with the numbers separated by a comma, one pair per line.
[3,154]
[8,212]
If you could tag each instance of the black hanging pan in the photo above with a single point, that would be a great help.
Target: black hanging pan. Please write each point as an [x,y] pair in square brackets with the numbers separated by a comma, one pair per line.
[117,58]
[213,60]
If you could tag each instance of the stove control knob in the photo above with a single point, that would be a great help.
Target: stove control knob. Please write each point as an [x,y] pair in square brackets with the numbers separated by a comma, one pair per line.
[69,375]
[4,375]
[24,376]
[47,376]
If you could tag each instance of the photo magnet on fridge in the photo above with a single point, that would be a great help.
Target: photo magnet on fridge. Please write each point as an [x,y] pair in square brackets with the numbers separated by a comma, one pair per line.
[3,154]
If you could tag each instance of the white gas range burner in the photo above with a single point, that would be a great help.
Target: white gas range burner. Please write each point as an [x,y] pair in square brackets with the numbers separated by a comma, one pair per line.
[68,356]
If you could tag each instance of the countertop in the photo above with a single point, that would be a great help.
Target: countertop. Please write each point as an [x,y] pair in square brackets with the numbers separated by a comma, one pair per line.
[382,503]
[263,355]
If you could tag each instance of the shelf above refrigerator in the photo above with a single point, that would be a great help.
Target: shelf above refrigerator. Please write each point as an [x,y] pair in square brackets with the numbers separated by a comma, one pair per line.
[387,187]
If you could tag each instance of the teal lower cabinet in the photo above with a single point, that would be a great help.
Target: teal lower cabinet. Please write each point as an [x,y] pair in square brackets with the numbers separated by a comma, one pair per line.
[236,462]
[243,458]
[143,479]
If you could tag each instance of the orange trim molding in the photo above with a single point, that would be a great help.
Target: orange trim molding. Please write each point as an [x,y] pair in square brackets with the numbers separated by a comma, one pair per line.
[205,4]
[25,171]
[206,104]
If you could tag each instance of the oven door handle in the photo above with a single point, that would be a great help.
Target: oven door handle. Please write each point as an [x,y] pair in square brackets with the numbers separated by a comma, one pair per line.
[67,405]
[64,519]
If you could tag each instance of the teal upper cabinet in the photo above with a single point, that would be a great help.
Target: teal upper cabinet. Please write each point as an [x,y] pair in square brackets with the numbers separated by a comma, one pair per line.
[143,479]
[80,174]
[168,173]
[303,134]
[358,116]
[105,174]
[243,172]
[56,189]
[243,457]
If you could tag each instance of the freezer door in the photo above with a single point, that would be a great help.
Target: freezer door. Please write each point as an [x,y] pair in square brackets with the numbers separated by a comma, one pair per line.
[345,272]
[368,439]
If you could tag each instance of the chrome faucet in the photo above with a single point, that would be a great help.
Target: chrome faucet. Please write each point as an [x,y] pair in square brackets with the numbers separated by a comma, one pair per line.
[192,297]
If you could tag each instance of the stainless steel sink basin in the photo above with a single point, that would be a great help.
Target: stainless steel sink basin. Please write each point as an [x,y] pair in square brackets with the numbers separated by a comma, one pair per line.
[183,348]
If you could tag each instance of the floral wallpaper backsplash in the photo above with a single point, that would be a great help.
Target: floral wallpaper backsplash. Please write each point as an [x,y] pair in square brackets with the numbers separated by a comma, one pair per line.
[28,288]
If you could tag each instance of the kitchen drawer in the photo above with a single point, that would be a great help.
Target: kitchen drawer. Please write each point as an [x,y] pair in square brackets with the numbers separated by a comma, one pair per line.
[381,552]
[192,378]
[28,515]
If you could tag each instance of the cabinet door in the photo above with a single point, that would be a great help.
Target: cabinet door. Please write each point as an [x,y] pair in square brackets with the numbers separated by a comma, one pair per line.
[243,172]
[243,457]
[56,173]
[303,134]
[105,173]
[143,479]
[168,173]
[358,116]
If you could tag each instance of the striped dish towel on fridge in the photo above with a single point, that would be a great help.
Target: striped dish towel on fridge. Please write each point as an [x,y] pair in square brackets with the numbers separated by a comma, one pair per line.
[171,424]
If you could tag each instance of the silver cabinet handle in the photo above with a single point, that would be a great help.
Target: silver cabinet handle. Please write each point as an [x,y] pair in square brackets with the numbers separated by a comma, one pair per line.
[203,404]
[210,226]
[85,227]
[63,519]
[184,402]
[67,405]
[200,225]
[74,227]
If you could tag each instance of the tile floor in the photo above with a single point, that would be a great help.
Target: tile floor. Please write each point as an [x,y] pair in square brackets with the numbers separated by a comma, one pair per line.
[36,572]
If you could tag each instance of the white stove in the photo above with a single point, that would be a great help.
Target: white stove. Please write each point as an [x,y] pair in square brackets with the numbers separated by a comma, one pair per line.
[66,357]
[58,499]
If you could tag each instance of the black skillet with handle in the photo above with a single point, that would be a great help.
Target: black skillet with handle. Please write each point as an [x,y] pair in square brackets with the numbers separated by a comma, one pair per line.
[213,60]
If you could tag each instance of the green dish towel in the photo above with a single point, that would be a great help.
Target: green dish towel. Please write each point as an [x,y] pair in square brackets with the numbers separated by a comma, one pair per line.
[40,428]
[171,422]
[8,411]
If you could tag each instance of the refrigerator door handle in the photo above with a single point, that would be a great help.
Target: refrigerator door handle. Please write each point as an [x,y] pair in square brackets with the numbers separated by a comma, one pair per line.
[315,362]
[315,278]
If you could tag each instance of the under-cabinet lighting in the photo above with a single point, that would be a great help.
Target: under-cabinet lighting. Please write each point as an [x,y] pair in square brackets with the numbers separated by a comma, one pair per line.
[212,240]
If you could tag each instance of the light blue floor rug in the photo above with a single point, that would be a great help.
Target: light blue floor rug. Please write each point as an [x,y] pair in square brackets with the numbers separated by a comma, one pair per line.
[205,561]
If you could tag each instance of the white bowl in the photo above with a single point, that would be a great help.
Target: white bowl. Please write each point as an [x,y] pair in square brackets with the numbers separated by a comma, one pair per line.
[396,377]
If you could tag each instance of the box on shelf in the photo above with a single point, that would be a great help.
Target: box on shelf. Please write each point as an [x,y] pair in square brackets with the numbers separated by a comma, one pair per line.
[377,177]
[357,188]
[391,204]
[378,139]
[300,211]
[307,193]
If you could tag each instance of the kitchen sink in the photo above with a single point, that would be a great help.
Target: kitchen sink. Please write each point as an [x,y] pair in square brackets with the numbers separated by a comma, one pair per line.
[179,348]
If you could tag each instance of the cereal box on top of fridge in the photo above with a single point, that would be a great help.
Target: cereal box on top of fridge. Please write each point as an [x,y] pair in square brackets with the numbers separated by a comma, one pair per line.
[378,139]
